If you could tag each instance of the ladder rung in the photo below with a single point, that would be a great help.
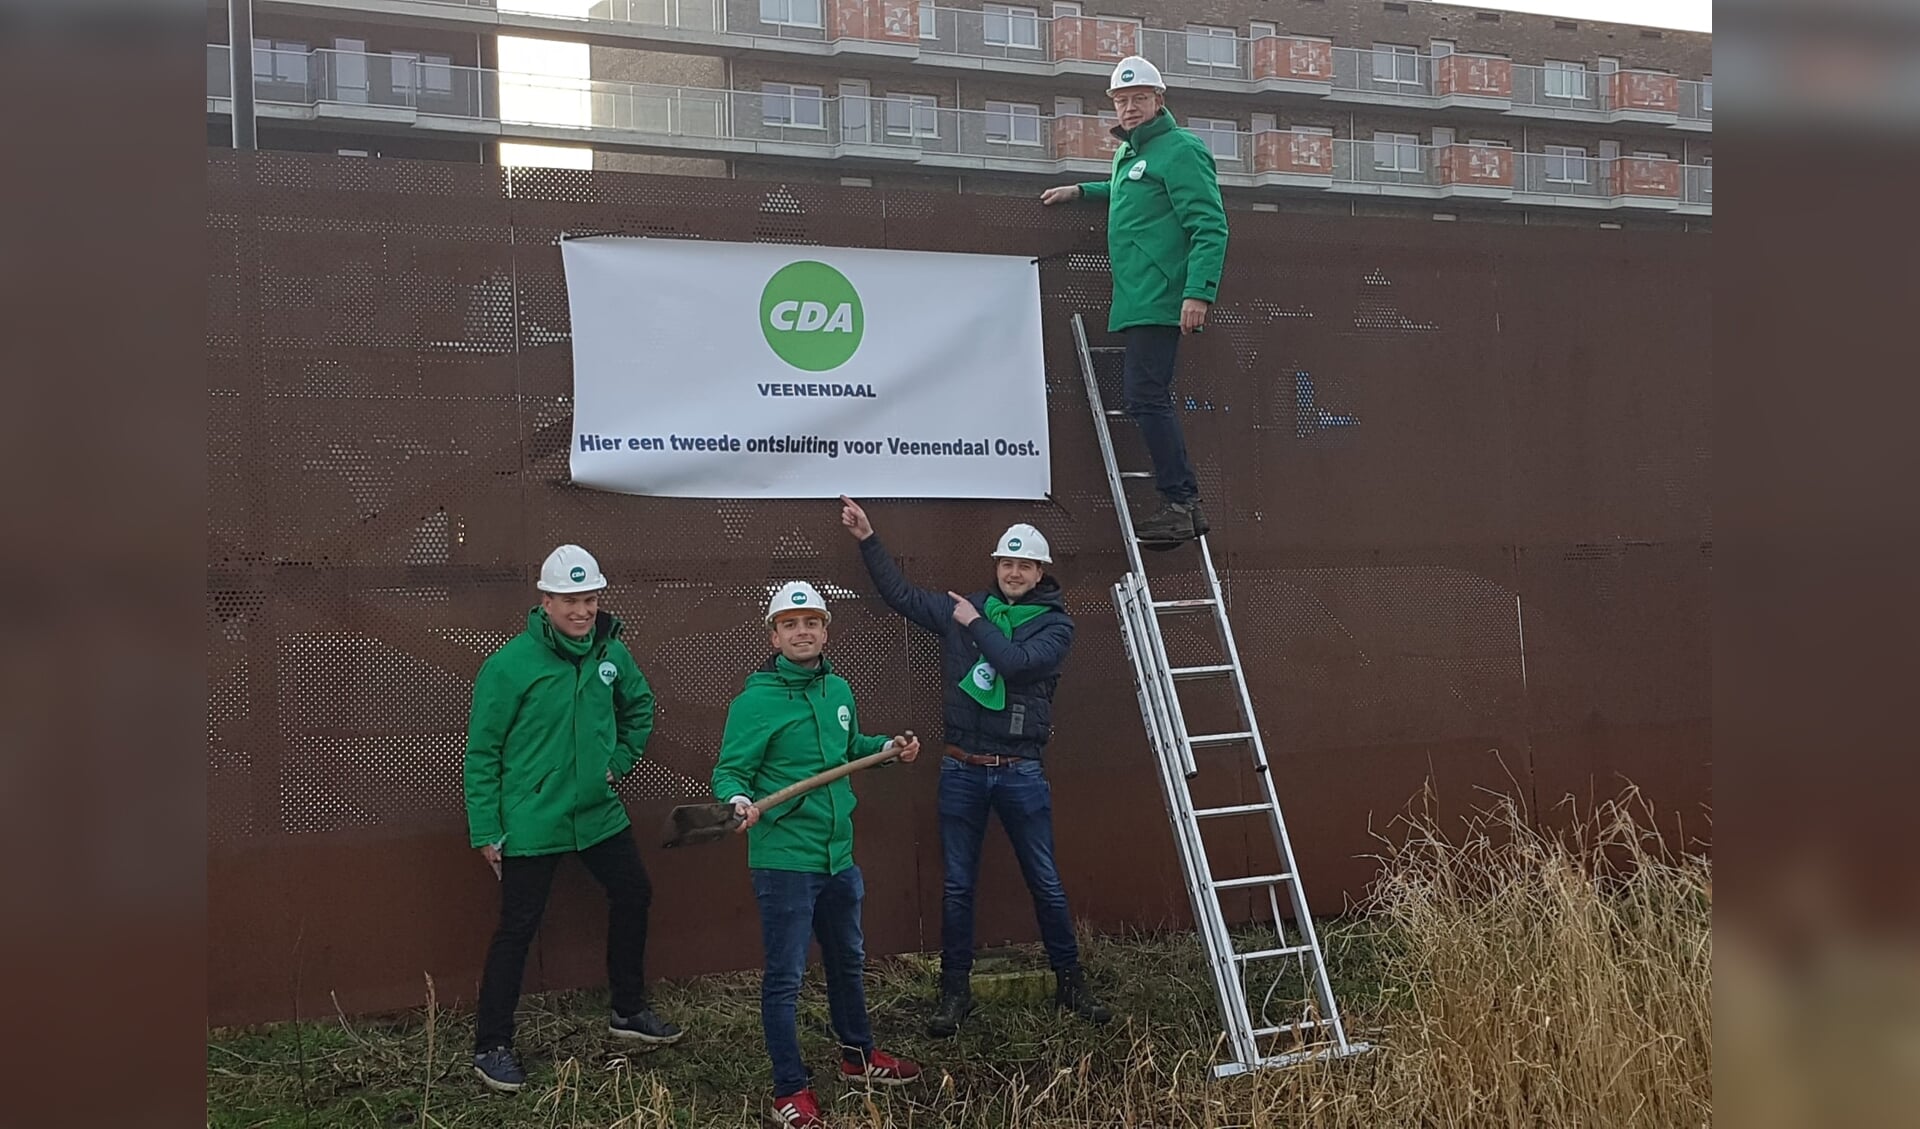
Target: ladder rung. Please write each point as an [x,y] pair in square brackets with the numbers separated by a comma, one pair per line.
[1106,348]
[1200,671]
[1237,809]
[1256,880]
[1288,1028]
[1266,954]
[1219,738]
[1136,474]
[1183,605]
[1117,413]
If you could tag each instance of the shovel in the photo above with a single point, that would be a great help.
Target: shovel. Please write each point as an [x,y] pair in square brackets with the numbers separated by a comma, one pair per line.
[692,824]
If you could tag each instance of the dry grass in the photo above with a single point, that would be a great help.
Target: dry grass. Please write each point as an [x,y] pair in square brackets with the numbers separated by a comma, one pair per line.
[1506,978]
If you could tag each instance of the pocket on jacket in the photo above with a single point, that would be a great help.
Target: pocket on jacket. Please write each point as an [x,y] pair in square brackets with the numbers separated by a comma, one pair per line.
[1174,272]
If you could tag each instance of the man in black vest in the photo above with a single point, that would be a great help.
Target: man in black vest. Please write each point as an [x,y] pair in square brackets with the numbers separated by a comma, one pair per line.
[1001,650]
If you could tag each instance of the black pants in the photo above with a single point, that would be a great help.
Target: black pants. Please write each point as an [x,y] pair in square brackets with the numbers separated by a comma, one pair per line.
[1147,382]
[524,883]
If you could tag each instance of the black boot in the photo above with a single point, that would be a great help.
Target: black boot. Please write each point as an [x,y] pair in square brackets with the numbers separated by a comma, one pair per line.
[1074,995]
[956,1003]
[1172,523]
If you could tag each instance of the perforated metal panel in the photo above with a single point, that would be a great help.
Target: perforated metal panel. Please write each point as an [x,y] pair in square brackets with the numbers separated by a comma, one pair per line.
[1421,446]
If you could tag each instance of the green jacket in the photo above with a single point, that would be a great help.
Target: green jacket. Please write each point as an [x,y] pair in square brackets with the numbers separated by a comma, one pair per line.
[1166,227]
[786,725]
[545,731]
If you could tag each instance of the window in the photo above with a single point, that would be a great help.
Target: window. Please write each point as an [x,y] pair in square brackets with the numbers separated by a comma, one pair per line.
[913,115]
[406,67]
[1396,152]
[1260,29]
[799,13]
[280,60]
[1486,143]
[1011,27]
[1064,10]
[1650,155]
[785,104]
[351,152]
[1211,47]
[1566,80]
[1706,93]
[1394,63]
[436,74]
[1013,123]
[1566,164]
[1265,123]
[1222,136]
[929,20]
[856,111]
[1441,48]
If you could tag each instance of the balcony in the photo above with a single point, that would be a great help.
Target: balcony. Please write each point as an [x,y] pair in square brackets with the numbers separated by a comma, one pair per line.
[1020,40]
[1696,105]
[385,91]
[1698,185]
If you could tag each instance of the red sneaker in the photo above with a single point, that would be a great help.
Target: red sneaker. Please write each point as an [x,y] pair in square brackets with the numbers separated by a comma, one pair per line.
[881,1068]
[798,1111]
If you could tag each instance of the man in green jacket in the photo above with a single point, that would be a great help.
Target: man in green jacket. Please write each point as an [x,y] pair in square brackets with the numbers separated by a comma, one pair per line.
[559,714]
[794,719]
[1166,247]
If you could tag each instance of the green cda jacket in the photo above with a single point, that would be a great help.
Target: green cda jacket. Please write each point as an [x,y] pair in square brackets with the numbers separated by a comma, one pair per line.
[546,729]
[1166,227]
[788,724]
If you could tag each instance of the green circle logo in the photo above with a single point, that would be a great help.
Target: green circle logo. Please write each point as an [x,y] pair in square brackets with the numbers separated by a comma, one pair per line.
[1013,545]
[811,316]
[1126,76]
[577,575]
[799,597]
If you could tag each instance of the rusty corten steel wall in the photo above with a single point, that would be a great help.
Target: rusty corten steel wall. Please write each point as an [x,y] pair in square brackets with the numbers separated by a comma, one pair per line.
[1425,448]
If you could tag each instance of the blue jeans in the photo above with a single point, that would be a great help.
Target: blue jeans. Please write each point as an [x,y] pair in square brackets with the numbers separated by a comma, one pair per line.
[1147,383]
[1019,794]
[796,907]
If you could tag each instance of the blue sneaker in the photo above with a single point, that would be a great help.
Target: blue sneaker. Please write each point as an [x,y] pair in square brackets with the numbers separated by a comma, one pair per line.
[644,1026]
[500,1070]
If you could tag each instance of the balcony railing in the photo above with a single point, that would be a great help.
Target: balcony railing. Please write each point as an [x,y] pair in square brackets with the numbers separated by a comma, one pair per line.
[1699,184]
[324,76]
[1696,101]
[800,122]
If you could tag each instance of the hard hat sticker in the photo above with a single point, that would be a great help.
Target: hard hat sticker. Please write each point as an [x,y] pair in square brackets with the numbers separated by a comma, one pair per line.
[1138,170]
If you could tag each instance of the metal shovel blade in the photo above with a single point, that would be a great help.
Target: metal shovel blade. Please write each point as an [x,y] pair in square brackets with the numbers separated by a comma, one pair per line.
[690,825]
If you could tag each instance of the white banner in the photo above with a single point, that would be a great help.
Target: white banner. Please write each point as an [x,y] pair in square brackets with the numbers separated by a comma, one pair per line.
[752,370]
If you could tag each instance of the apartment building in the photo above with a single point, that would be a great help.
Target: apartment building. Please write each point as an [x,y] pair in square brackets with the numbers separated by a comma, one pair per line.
[1394,107]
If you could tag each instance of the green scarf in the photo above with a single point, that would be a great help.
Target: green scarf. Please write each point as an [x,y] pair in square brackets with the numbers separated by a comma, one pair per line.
[983,683]
[566,646]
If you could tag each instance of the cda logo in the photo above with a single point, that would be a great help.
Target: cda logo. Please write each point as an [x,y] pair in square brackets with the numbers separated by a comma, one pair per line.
[811,316]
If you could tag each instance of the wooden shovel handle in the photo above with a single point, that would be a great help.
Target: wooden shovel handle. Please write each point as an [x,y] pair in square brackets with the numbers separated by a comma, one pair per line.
[801,787]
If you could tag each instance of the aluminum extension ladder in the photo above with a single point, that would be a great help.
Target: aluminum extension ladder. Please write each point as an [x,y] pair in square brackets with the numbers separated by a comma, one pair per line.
[1155,680]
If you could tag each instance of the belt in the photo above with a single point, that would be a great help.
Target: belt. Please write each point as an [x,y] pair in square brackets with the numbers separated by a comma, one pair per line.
[994,761]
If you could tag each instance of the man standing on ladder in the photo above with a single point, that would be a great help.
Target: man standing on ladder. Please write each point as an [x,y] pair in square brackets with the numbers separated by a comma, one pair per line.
[1000,651]
[1166,247]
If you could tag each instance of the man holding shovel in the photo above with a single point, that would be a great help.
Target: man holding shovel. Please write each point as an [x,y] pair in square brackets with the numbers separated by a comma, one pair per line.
[1001,651]
[794,719]
[559,713]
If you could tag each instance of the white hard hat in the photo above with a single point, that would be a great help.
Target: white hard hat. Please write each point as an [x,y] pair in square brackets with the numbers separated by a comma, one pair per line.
[795,596]
[1024,542]
[570,569]
[1135,71]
